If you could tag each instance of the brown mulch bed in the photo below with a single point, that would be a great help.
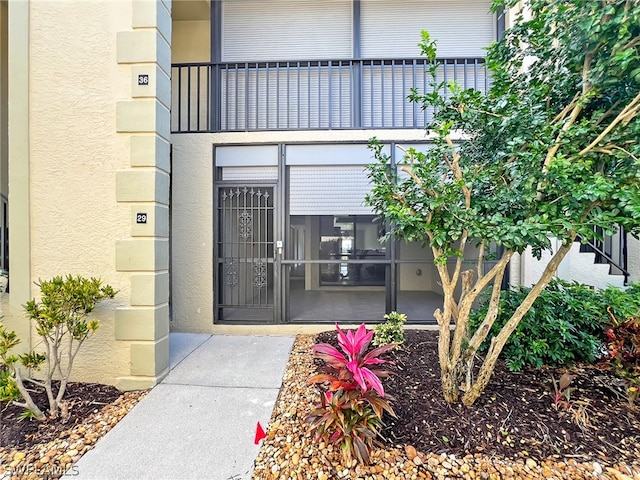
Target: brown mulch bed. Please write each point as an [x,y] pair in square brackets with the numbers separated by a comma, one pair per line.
[515,417]
[513,430]
[30,449]
[83,400]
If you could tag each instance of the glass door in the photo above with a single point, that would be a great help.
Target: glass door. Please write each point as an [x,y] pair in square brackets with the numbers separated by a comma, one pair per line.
[335,269]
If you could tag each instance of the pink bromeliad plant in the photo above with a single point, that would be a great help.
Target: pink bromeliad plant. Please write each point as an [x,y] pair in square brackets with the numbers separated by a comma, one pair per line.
[350,412]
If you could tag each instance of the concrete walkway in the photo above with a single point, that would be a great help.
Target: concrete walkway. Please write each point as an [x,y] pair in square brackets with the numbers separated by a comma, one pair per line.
[200,422]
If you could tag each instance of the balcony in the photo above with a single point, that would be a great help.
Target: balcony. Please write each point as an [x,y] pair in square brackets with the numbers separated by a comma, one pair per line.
[309,95]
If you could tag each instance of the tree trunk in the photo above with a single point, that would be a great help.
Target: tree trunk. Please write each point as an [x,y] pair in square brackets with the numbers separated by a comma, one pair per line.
[456,356]
[498,342]
[29,404]
[450,387]
[53,408]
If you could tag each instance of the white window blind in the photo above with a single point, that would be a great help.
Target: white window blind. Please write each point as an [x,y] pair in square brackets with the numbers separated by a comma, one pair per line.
[286,30]
[392,29]
[328,190]
[248,174]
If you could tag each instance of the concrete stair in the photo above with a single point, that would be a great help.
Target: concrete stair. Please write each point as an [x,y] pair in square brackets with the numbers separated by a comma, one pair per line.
[582,267]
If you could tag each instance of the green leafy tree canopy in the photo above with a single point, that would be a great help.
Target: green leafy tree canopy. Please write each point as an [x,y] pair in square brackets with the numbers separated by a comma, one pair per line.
[549,151]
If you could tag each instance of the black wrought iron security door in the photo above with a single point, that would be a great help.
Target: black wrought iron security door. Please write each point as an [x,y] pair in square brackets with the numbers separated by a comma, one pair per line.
[245,253]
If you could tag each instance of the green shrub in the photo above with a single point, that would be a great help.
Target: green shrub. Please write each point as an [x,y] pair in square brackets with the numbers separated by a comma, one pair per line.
[8,390]
[622,303]
[564,325]
[61,320]
[390,331]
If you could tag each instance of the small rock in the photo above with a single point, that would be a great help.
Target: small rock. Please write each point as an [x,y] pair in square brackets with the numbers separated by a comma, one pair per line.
[618,475]
[410,452]
[295,459]
[597,468]
[18,456]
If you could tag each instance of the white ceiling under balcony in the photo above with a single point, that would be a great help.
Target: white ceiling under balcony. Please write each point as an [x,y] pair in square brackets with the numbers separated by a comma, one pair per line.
[183,10]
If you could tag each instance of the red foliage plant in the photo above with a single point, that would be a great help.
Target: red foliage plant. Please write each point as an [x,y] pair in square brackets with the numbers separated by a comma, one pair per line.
[623,352]
[350,411]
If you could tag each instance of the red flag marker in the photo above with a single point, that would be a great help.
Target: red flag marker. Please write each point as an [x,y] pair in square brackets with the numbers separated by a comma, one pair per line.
[259,434]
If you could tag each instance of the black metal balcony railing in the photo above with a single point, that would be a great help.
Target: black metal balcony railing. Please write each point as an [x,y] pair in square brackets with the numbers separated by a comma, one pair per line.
[302,95]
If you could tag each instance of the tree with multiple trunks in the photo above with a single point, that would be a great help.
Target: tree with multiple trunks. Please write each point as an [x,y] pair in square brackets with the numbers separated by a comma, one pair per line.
[550,151]
[61,320]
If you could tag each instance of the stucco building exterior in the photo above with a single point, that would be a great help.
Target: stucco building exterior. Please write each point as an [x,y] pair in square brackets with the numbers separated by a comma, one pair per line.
[206,159]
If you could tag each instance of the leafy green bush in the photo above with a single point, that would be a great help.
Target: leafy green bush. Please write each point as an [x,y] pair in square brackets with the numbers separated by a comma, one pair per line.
[622,303]
[61,320]
[8,390]
[390,331]
[564,325]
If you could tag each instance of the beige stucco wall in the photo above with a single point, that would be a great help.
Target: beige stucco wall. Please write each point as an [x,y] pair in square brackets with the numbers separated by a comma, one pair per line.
[74,154]
[191,41]
[4,83]
[88,149]
[192,233]
[18,172]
